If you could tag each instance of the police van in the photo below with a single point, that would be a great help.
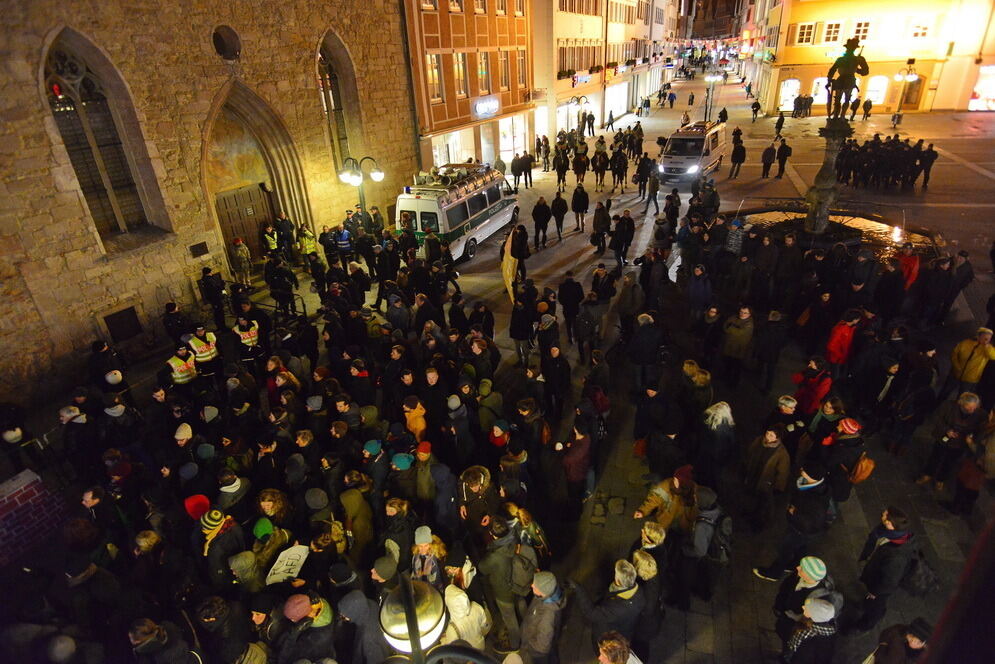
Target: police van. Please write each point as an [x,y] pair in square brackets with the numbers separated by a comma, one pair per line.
[464,204]
[693,150]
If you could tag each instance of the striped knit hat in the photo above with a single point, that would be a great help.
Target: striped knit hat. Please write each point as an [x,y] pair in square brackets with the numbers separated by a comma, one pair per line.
[212,519]
[813,568]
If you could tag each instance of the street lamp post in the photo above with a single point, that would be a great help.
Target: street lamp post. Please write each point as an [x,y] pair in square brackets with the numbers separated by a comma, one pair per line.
[352,173]
[905,76]
[711,79]
[413,618]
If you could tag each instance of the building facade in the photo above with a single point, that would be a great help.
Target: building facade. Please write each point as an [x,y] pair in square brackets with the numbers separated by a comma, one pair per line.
[140,139]
[923,56]
[600,57]
[471,67]
[715,19]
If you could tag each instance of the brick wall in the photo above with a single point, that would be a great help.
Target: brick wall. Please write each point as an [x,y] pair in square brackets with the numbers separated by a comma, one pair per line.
[29,513]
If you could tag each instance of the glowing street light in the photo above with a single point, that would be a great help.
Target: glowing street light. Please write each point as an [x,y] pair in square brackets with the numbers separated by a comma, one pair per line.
[904,76]
[352,173]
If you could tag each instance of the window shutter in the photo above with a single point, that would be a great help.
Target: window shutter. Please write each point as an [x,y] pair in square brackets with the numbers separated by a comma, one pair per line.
[792,35]
[820,31]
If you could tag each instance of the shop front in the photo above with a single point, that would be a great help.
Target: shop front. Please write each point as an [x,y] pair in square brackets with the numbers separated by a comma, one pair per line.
[453,147]
[513,132]
[617,100]
[983,94]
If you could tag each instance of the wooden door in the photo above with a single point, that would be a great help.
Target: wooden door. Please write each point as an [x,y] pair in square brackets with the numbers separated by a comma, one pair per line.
[242,213]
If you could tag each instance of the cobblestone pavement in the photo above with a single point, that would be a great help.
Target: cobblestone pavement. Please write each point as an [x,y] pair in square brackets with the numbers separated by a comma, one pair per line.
[737,624]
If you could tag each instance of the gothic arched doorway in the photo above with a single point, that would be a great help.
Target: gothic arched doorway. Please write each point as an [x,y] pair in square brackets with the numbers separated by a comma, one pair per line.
[251,168]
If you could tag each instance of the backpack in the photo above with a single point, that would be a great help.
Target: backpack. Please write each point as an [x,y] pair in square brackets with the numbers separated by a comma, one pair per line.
[720,546]
[920,578]
[862,469]
[524,565]
[602,404]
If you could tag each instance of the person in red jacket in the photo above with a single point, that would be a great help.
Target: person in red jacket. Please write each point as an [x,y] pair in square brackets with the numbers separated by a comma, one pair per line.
[840,343]
[814,383]
[909,263]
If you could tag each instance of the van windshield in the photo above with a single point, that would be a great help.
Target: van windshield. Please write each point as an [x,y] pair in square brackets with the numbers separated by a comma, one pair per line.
[684,147]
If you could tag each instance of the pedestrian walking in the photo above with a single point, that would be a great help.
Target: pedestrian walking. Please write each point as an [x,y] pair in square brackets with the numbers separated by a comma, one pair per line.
[691,99]
[867,106]
[783,152]
[755,109]
[558,208]
[767,160]
[652,191]
[610,125]
[737,158]
[579,204]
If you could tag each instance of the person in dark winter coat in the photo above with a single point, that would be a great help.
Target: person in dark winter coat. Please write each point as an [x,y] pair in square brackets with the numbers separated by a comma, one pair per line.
[889,550]
[311,635]
[809,579]
[161,643]
[520,249]
[814,640]
[558,208]
[570,294]
[806,518]
[770,341]
[369,646]
[651,618]
[619,610]
[542,620]
[541,214]
[903,644]
[219,539]
[226,629]
[579,204]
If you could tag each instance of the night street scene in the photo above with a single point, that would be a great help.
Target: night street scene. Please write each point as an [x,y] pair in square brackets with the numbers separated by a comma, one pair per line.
[497,331]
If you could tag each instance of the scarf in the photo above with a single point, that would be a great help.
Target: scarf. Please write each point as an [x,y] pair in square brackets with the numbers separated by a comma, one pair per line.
[233,487]
[211,533]
[801,635]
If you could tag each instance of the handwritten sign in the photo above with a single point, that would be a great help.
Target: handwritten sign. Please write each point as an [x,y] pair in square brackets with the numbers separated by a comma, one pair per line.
[288,565]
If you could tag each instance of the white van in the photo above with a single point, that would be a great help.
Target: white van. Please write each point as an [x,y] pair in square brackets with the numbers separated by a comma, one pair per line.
[693,150]
[463,203]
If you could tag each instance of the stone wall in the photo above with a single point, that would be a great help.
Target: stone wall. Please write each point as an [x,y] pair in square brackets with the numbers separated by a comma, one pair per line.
[56,278]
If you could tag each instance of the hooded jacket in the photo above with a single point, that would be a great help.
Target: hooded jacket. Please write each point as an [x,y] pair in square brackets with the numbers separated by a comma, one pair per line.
[495,566]
[491,405]
[248,573]
[619,610]
[359,519]
[542,622]
[369,646]
[468,621]
[227,637]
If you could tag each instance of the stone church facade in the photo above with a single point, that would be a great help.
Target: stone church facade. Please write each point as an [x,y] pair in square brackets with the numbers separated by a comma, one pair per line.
[137,139]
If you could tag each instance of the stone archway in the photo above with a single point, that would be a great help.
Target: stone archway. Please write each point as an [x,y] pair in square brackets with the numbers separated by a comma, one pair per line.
[264,131]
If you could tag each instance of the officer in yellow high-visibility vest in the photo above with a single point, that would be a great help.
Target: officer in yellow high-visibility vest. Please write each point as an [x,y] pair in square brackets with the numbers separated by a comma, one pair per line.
[204,345]
[182,369]
[306,241]
[250,352]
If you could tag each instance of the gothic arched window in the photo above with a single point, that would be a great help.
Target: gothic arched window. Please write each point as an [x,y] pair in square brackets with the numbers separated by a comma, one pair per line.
[85,118]
[331,99]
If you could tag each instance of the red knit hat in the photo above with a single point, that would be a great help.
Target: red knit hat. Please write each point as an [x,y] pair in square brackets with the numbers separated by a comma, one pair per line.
[849,425]
[424,447]
[197,506]
[684,474]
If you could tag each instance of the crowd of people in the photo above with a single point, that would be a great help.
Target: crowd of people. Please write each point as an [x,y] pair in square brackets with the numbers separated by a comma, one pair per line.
[885,163]
[265,500]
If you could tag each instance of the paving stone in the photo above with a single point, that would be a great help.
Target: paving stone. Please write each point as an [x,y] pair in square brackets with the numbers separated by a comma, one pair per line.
[616,505]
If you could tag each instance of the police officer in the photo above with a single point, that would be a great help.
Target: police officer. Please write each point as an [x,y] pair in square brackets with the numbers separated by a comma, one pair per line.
[182,369]
[204,345]
[249,351]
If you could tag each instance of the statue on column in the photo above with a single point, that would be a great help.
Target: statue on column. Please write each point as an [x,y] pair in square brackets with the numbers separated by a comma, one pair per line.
[846,67]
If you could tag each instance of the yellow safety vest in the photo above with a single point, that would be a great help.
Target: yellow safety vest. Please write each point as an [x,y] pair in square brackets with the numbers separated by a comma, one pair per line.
[308,245]
[272,241]
[249,337]
[205,349]
[184,371]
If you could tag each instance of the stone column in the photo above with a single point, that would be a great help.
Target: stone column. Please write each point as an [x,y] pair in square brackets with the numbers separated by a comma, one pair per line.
[821,196]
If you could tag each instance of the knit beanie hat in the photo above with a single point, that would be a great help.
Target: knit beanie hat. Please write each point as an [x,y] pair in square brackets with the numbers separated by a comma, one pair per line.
[386,567]
[316,499]
[372,447]
[921,629]
[813,568]
[545,583]
[197,505]
[183,432]
[205,451]
[210,413]
[297,607]
[402,461]
[314,403]
[263,528]
[502,425]
[188,471]
[850,426]
[424,447]
[453,402]
[684,474]
[819,610]
[423,535]
[212,519]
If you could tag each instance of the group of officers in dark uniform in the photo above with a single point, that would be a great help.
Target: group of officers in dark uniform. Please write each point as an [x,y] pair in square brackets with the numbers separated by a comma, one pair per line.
[883,163]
